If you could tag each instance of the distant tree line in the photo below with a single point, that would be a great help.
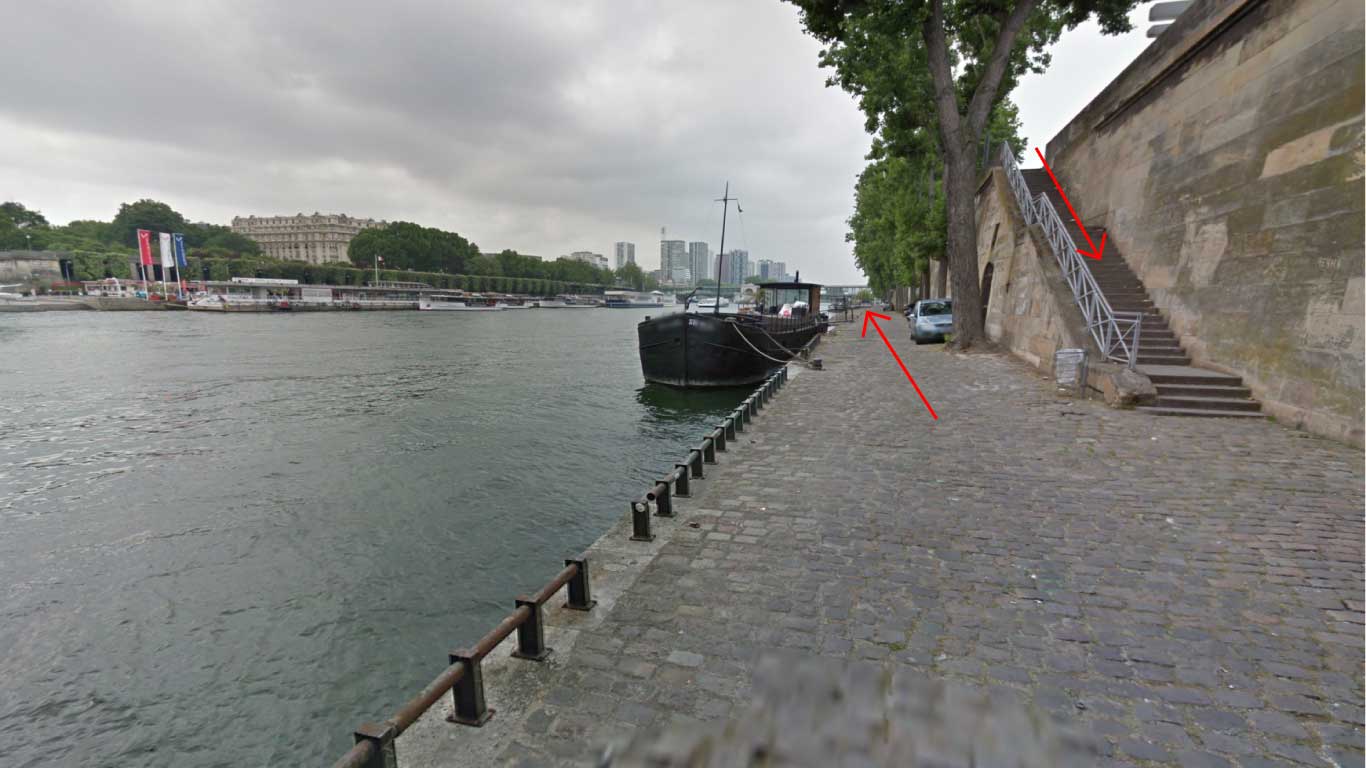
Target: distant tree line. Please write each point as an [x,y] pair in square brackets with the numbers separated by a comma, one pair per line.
[410,251]
[404,245]
[24,228]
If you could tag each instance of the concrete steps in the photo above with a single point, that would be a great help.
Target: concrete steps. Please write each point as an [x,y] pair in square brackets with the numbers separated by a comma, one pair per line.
[1182,390]
[1159,410]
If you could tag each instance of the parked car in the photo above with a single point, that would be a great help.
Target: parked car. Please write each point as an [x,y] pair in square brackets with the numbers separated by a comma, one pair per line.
[931,320]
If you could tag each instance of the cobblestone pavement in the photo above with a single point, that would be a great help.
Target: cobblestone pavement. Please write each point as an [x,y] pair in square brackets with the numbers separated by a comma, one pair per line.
[1189,591]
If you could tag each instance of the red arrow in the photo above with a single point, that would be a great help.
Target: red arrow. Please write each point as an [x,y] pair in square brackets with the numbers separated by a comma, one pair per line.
[1094,252]
[870,316]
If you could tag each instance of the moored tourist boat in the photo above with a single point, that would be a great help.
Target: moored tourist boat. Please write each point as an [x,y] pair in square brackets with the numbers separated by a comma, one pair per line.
[459,301]
[565,302]
[634,299]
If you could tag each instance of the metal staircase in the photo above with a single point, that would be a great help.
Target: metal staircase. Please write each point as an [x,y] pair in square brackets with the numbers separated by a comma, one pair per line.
[1182,389]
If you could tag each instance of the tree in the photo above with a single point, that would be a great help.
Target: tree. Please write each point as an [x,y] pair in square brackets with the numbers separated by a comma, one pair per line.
[144,214]
[631,276]
[405,245]
[21,217]
[937,69]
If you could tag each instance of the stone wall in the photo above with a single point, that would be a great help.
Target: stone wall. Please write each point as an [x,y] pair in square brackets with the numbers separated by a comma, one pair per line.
[1226,162]
[23,266]
[1030,310]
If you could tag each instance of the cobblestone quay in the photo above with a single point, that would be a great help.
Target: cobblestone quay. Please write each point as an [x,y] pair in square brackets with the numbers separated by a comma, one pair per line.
[1187,591]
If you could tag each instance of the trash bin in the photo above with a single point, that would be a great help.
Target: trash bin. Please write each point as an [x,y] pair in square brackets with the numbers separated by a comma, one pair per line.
[1069,370]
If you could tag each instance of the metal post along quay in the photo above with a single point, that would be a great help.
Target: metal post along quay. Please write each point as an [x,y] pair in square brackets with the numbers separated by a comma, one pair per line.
[375,743]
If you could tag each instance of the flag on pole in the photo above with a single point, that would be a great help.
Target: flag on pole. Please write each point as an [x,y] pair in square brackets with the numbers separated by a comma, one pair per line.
[179,241]
[167,256]
[145,247]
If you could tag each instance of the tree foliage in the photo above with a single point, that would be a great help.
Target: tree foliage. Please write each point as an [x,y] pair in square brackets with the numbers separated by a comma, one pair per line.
[405,245]
[932,73]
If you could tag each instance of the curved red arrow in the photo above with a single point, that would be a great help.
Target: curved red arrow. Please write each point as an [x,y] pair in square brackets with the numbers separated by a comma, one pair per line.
[1095,252]
[870,316]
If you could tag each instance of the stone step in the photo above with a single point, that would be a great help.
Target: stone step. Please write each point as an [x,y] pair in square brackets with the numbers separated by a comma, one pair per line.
[1158,410]
[1202,390]
[1159,348]
[1148,358]
[1208,403]
[1192,375]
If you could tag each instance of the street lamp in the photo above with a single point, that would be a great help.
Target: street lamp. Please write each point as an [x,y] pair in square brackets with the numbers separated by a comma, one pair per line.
[28,242]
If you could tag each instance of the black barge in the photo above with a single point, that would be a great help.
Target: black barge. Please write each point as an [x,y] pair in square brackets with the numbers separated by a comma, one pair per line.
[696,349]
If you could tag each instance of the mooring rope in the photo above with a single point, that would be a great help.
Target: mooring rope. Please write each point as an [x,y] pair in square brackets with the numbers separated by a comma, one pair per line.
[763,354]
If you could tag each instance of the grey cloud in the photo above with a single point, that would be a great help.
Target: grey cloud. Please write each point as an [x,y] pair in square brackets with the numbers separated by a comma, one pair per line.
[543,126]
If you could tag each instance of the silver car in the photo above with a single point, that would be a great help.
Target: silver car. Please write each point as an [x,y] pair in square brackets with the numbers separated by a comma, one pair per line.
[931,320]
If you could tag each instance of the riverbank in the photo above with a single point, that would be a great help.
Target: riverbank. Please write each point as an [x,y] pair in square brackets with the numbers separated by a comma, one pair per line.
[301,510]
[1180,589]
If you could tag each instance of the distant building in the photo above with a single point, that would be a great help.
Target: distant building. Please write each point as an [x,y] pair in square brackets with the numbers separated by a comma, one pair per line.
[772,271]
[626,254]
[588,257]
[734,266]
[317,239]
[699,261]
[673,262]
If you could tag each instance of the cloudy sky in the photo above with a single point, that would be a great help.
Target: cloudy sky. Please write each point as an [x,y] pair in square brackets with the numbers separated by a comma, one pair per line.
[547,127]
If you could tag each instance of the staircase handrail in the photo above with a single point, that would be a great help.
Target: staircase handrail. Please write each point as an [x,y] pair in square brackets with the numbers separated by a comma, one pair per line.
[1116,333]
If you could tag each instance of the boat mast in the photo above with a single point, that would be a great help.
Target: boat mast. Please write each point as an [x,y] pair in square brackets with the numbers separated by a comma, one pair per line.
[721,257]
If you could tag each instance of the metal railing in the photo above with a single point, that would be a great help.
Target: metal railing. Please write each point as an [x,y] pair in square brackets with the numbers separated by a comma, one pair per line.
[678,482]
[1116,333]
[375,742]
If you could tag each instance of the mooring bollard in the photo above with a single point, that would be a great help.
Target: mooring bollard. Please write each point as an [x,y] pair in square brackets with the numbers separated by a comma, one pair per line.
[681,480]
[470,707]
[695,463]
[729,426]
[708,449]
[660,496]
[382,735]
[718,437]
[640,521]
[531,633]
[580,591]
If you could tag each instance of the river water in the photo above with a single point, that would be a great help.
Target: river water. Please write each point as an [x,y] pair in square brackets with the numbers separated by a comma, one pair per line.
[231,539]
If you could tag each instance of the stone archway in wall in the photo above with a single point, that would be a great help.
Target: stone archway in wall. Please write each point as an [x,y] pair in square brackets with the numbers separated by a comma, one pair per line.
[986,291]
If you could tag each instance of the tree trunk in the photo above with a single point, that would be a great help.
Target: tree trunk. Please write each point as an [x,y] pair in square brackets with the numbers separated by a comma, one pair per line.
[941,280]
[961,215]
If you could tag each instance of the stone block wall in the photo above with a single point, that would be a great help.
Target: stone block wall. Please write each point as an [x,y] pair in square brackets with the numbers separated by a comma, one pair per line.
[1030,310]
[22,266]
[1227,163]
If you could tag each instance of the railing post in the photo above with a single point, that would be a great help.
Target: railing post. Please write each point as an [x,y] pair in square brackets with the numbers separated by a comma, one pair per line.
[695,463]
[730,427]
[470,707]
[718,437]
[708,450]
[1138,330]
[382,735]
[681,480]
[739,416]
[640,521]
[531,633]
[580,591]
[661,497]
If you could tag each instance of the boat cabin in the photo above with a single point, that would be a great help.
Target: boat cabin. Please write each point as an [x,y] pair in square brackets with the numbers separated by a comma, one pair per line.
[787,299]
